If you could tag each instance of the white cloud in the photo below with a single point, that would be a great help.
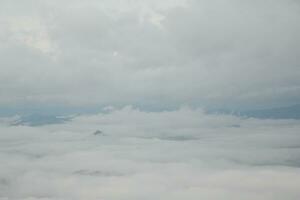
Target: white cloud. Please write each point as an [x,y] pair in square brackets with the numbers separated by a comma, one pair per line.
[183,154]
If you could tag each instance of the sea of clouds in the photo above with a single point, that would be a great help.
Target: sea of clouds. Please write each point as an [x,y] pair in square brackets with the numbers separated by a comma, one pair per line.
[171,155]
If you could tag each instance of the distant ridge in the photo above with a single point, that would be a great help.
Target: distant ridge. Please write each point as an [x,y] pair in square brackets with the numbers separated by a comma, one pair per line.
[39,120]
[290,112]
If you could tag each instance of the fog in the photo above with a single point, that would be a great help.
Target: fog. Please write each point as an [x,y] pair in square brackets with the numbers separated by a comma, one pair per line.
[181,154]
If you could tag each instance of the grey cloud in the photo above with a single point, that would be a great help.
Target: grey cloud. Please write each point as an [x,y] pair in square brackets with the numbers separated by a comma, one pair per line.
[208,53]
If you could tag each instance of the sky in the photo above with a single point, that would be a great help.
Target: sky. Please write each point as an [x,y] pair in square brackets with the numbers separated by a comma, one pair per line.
[211,54]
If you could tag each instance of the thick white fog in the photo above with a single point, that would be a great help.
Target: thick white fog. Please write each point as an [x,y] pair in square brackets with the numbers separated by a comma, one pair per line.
[136,155]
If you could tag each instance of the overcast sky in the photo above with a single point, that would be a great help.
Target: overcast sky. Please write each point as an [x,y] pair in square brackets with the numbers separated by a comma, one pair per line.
[216,53]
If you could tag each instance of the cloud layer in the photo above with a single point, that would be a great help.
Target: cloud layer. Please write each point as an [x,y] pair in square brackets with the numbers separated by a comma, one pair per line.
[150,54]
[208,53]
[183,154]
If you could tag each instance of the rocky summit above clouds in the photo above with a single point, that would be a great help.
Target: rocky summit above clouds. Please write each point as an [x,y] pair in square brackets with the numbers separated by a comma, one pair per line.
[98,132]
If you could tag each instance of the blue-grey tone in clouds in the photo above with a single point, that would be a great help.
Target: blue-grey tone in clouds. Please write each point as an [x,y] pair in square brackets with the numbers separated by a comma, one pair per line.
[207,53]
[149,99]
